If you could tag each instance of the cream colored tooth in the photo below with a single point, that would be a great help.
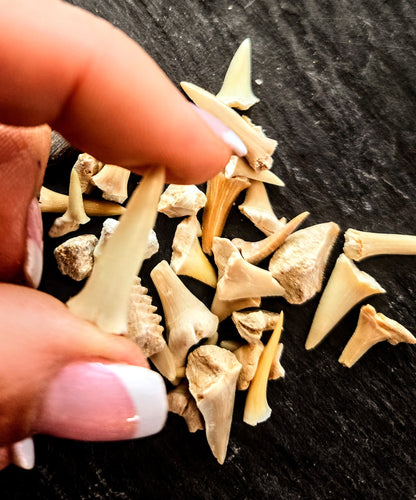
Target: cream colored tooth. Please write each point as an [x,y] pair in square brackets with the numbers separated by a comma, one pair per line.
[346,287]
[105,297]
[236,90]
[86,167]
[248,355]
[361,244]
[256,251]
[258,209]
[372,328]
[187,256]
[181,200]
[75,258]
[256,409]
[165,364]
[251,324]
[230,345]
[187,319]
[23,453]
[221,194]
[113,181]
[299,264]
[259,148]
[53,202]
[238,167]
[143,325]
[181,402]
[212,373]
[276,370]
[75,214]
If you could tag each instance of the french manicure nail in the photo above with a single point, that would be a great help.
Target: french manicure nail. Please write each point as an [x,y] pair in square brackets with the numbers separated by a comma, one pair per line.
[34,245]
[103,402]
[23,453]
[223,132]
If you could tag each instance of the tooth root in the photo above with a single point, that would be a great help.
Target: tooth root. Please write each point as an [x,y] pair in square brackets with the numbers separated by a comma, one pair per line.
[347,286]
[372,328]
[224,308]
[256,251]
[238,167]
[113,181]
[251,324]
[86,167]
[236,90]
[221,194]
[181,200]
[361,244]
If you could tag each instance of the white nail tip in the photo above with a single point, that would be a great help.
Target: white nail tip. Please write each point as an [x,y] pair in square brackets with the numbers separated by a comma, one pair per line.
[235,143]
[23,453]
[147,391]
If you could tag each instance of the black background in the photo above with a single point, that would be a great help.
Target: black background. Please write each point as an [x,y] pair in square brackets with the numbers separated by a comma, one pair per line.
[338,94]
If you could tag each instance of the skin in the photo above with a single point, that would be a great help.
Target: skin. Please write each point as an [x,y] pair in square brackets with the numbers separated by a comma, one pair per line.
[122,113]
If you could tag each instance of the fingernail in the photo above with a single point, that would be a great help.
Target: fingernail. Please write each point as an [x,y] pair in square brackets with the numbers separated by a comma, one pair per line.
[104,402]
[223,132]
[23,454]
[34,245]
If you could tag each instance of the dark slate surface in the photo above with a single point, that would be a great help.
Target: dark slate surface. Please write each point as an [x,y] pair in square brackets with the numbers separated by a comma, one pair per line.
[338,93]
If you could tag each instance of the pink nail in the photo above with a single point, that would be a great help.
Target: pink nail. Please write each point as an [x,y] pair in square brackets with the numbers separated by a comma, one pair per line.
[104,402]
[34,245]
[223,132]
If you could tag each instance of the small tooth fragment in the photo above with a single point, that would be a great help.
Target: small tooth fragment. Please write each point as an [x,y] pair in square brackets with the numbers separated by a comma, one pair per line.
[143,325]
[361,244]
[113,182]
[299,264]
[276,370]
[221,194]
[212,373]
[165,363]
[258,209]
[181,200]
[86,167]
[181,402]
[248,355]
[236,90]
[346,287]
[75,214]
[238,167]
[373,327]
[256,251]
[187,319]
[105,297]
[259,148]
[187,256]
[53,202]
[74,257]
[23,453]
[230,345]
[251,324]
[256,409]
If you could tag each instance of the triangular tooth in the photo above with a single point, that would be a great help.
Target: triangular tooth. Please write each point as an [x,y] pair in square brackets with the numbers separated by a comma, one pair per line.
[346,287]
[165,363]
[113,181]
[236,90]
[238,167]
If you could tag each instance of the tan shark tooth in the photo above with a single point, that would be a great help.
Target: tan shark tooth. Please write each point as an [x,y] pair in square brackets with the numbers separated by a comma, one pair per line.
[181,402]
[248,355]
[346,287]
[75,214]
[75,258]
[361,244]
[105,297]
[179,200]
[236,90]
[256,409]
[256,251]
[165,364]
[259,148]
[221,194]
[238,167]
[53,202]
[187,319]
[258,209]
[113,181]
[212,373]
[187,256]
[86,167]
[251,324]
[276,370]
[299,264]
[373,327]
[143,325]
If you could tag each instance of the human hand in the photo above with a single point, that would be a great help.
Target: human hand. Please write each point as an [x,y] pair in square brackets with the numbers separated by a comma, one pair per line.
[62,66]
